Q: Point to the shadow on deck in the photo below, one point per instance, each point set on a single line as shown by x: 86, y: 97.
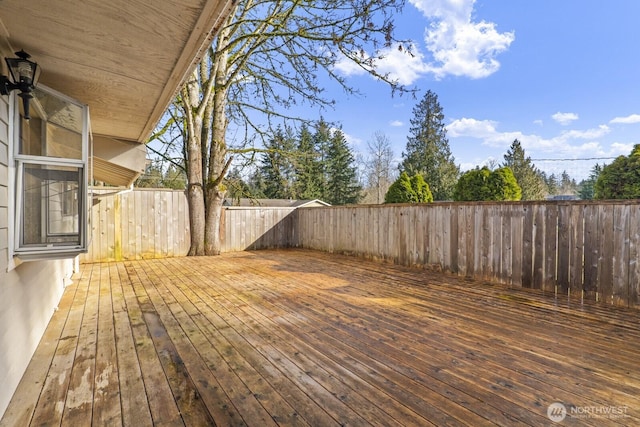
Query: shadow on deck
x: 306, y: 338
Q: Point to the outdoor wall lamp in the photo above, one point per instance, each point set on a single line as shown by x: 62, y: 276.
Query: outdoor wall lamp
x: 24, y: 76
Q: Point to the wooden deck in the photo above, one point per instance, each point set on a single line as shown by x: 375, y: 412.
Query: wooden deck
x: 305, y: 338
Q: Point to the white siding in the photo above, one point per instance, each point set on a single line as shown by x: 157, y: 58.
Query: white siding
x: 28, y: 293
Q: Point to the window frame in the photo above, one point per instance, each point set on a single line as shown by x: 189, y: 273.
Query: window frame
x: 19, y: 161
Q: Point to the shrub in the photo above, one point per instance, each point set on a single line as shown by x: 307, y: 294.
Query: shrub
x: 409, y: 190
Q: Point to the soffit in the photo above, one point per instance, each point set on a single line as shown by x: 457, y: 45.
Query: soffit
x: 123, y: 58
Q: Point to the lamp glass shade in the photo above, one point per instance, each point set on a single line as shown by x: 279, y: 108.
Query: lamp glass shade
x: 23, y: 71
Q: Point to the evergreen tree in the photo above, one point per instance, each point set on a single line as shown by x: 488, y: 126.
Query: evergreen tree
x: 276, y: 167
x: 473, y: 185
x: 529, y: 178
x: 427, y: 151
x: 551, y: 181
x: 407, y: 189
x: 484, y: 184
x: 421, y: 189
x: 621, y: 178
x: 568, y: 185
x: 175, y: 178
x: 504, y: 186
x: 321, y: 142
x: 237, y: 188
x: 587, y: 186
x: 256, y: 186
x: 307, y: 168
x: 342, y: 183
x: 152, y: 176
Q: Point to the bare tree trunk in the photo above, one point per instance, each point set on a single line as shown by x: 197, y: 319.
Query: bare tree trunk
x: 195, y: 200
x: 195, y: 190
x: 213, y: 243
x: 218, y: 156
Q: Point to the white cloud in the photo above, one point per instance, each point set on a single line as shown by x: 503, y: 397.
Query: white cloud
x: 538, y: 122
x: 594, y: 133
x: 471, y: 127
x: 618, y: 148
x: 564, y: 118
x: 401, y: 65
x: 396, y: 123
x: 569, y: 143
x: 454, y: 9
x: 348, y: 67
x: 351, y: 140
x: 633, y: 118
x: 456, y: 46
x: 460, y: 46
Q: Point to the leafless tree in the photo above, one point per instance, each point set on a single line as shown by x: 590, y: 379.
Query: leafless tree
x: 266, y: 61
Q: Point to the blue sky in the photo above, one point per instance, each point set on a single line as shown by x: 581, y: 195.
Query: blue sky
x: 562, y: 76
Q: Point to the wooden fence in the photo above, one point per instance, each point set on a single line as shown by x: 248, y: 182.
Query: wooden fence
x: 143, y: 223
x: 249, y: 228
x: 583, y: 249
x: 154, y: 223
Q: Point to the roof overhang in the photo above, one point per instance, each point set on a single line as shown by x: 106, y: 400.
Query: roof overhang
x: 125, y: 59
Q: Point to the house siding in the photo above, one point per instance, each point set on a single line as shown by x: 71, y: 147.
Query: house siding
x: 29, y: 293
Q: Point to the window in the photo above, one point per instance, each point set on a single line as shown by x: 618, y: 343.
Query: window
x: 51, y: 158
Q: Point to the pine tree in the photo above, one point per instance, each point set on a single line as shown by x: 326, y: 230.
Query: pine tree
x: 256, y: 185
x: 529, y: 178
x: 342, y: 183
x: 587, y: 186
x: 237, y: 188
x: 568, y: 185
x: 551, y: 181
x: 307, y: 168
x: 427, y: 151
x: 321, y: 142
x: 276, y: 167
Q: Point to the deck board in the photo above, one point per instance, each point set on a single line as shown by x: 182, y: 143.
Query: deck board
x: 305, y: 338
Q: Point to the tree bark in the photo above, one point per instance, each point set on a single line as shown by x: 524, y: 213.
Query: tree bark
x: 218, y: 156
x: 195, y: 189
x: 195, y: 200
x: 213, y: 244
